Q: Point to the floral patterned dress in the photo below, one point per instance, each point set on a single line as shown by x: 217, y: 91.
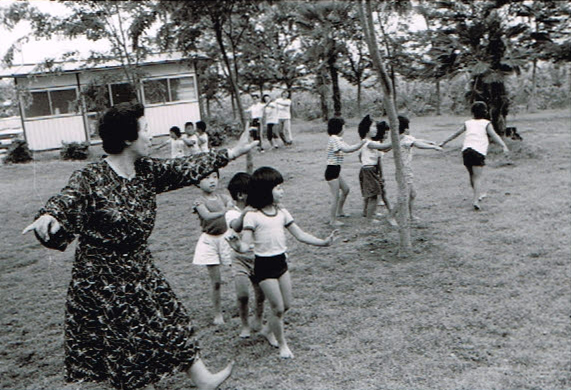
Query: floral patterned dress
x: 123, y: 322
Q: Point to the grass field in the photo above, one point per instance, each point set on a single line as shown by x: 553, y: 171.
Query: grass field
x: 482, y: 303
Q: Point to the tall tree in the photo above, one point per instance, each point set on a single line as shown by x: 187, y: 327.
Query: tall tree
x: 366, y: 16
x: 322, y: 25
x: 226, y: 21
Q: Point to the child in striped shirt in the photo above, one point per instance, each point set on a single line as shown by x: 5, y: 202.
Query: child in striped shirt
x: 336, y: 149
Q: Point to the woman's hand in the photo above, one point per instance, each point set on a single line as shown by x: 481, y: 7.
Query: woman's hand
x: 243, y: 146
x: 45, y: 227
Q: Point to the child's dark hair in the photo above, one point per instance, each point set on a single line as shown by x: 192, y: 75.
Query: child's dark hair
x: 335, y: 126
x: 263, y: 181
x: 382, y: 128
x: 175, y: 130
x: 480, y: 110
x: 403, y: 123
x: 239, y: 184
x: 364, y: 126
x: 188, y: 124
x: 201, y: 125
x: 210, y: 173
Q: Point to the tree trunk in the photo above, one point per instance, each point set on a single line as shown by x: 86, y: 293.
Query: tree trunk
x: 532, y: 103
x: 365, y: 14
x: 359, y: 87
x: 235, y: 90
x: 335, y: 86
x: 438, y: 99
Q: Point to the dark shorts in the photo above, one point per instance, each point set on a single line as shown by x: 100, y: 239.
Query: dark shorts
x: 332, y: 172
x: 473, y: 158
x: 271, y: 267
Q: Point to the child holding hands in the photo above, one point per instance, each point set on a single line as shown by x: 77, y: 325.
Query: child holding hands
x: 407, y: 142
x: 370, y: 175
x: 264, y: 231
x: 243, y: 263
x: 212, y: 249
x: 336, y: 149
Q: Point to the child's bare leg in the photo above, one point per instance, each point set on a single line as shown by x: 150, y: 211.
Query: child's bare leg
x: 259, y: 298
x: 334, y: 188
x: 242, y: 284
x: 344, y: 193
x: 204, y: 379
x: 216, y: 283
x: 475, y: 181
x: 371, y: 206
x: 412, y: 197
x: 272, y: 290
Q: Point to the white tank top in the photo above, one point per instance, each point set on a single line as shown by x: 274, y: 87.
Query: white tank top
x: 476, y: 135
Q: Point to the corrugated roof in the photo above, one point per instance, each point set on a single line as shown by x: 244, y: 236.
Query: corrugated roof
x: 78, y: 66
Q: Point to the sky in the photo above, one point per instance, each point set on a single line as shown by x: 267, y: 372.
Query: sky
x: 36, y: 51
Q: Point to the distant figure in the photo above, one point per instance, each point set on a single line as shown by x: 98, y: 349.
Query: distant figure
x: 284, y: 116
x: 212, y: 250
x: 190, y: 139
x: 407, y: 142
x: 256, y: 111
x: 475, y: 147
x: 264, y: 231
x: 176, y: 143
x: 336, y: 149
x: 370, y: 175
x: 202, y: 136
x: 271, y: 119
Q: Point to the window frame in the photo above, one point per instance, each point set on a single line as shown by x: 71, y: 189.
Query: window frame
x: 168, y: 78
x: 50, y: 103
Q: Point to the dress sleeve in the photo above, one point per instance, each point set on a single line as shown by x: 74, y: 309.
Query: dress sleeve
x: 67, y: 208
x: 173, y: 173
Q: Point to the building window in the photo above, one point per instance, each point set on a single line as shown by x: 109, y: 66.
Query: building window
x: 172, y: 89
x: 122, y: 93
x: 51, y: 102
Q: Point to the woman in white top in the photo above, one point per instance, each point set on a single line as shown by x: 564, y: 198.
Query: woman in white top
x: 284, y: 116
x: 475, y: 147
x: 271, y: 119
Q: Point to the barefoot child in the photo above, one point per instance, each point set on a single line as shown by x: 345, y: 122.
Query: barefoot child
x: 264, y: 231
x: 243, y: 263
x: 212, y: 249
x: 407, y: 142
x: 370, y: 175
x: 475, y: 147
x: 335, y: 151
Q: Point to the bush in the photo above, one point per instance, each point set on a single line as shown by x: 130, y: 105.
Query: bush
x: 74, y: 151
x: 219, y: 130
x: 18, y: 152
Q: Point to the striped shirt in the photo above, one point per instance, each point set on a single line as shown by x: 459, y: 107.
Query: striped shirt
x: 334, y: 153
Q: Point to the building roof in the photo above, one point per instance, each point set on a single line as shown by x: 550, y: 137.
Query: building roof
x: 25, y: 70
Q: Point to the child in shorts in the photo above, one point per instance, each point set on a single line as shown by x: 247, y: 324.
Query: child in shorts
x: 212, y: 250
x: 370, y: 175
x: 243, y: 263
x: 264, y: 232
x: 336, y: 149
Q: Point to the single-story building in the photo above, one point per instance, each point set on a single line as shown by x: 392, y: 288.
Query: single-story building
x: 59, y: 105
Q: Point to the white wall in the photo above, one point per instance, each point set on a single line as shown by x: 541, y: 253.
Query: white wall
x: 43, y: 134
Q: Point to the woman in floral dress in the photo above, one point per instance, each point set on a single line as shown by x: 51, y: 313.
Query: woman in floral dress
x: 123, y: 324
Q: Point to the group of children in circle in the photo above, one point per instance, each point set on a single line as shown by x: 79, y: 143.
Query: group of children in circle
x: 193, y: 141
x: 246, y: 229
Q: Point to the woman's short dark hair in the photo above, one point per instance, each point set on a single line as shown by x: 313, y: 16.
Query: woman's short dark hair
x: 480, y: 110
x: 382, y: 128
x: 404, y: 123
x: 119, y: 124
x: 263, y: 181
x: 335, y: 126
